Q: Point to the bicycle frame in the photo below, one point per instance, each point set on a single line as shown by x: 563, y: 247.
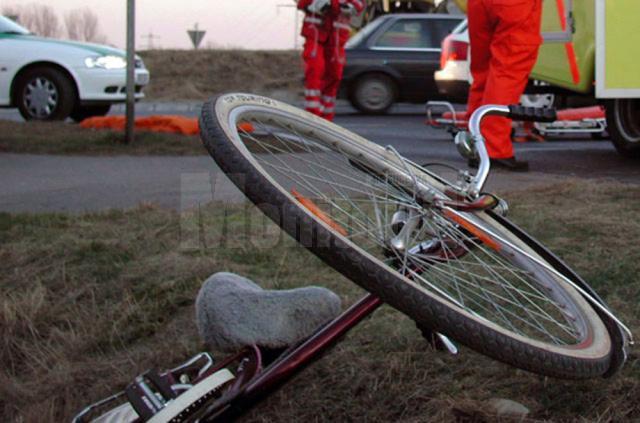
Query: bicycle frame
x: 292, y: 361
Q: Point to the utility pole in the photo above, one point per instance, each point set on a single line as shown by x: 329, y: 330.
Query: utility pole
x: 150, y: 37
x: 131, y: 75
x: 295, y: 22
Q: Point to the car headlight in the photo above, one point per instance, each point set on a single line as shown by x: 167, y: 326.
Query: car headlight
x: 106, y: 62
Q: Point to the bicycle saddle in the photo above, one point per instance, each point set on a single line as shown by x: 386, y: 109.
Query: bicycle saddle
x: 233, y: 312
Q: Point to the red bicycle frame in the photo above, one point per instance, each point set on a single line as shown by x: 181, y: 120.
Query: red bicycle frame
x: 244, y: 395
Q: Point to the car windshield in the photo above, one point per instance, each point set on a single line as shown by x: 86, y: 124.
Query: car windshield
x: 7, y: 26
x: 416, y: 33
x: 363, y: 33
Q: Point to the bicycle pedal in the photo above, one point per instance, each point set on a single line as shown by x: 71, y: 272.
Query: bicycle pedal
x: 154, y: 395
x: 447, y: 344
x: 148, y: 395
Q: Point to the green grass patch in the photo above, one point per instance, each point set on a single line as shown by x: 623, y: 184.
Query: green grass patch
x: 68, y: 138
x: 90, y: 301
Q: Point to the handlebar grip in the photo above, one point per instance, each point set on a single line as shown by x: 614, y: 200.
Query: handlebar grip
x: 532, y: 114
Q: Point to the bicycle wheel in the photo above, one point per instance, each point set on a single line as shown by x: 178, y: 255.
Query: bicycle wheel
x: 370, y: 215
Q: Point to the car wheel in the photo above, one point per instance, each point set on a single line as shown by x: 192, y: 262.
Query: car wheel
x: 374, y: 94
x: 84, y: 112
x: 45, y: 94
x: 623, y: 125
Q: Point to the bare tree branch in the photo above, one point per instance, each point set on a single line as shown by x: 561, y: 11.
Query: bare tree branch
x: 82, y: 24
x: 38, y: 18
x: 42, y: 20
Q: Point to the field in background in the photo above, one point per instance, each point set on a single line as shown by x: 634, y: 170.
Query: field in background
x: 91, y: 301
x: 197, y: 75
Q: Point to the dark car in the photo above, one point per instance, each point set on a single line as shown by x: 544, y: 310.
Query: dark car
x: 393, y: 59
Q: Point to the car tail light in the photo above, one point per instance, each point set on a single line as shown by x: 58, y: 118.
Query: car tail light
x: 453, y: 50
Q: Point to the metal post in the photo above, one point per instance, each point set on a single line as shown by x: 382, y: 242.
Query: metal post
x: 131, y: 66
x: 295, y: 28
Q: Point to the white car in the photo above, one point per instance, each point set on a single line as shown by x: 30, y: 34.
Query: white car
x: 49, y: 79
x: 454, y: 75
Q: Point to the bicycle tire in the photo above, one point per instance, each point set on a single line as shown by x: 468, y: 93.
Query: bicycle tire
x: 218, y: 126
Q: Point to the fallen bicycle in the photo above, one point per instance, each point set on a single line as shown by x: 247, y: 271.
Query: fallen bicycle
x: 440, y: 251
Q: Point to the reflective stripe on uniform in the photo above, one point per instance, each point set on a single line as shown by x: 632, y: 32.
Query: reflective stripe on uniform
x: 328, y: 103
x: 312, y: 105
x: 310, y: 19
x: 312, y: 93
x: 342, y: 26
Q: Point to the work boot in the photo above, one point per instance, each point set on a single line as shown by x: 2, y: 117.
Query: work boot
x: 509, y: 163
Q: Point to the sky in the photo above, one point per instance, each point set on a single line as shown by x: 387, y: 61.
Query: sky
x: 249, y: 24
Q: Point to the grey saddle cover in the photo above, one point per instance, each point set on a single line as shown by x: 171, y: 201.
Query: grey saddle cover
x: 233, y: 312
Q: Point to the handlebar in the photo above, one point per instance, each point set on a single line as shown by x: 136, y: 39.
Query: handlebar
x: 515, y: 112
x: 532, y: 114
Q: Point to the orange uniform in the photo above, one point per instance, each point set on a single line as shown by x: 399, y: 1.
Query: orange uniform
x: 505, y: 38
x: 339, y: 27
x: 325, y: 36
x: 314, y: 31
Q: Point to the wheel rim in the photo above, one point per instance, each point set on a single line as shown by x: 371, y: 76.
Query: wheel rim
x: 515, y: 294
x: 375, y: 95
x: 41, y: 97
x: 628, y: 119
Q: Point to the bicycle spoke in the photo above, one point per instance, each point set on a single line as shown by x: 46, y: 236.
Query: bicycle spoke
x: 459, y: 267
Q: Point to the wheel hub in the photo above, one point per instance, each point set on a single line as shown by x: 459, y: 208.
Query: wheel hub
x: 376, y: 95
x: 41, y: 97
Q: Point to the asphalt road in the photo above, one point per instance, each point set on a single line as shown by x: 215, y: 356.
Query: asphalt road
x: 75, y: 184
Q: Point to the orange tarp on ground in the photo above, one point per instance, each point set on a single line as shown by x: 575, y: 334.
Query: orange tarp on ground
x: 164, y: 123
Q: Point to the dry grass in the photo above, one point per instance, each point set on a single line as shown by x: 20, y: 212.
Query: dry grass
x: 90, y: 301
x: 197, y: 75
x: 67, y: 138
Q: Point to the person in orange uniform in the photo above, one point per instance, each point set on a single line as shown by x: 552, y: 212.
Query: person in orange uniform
x: 505, y: 38
x: 339, y: 27
x: 326, y: 29
x: 315, y: 32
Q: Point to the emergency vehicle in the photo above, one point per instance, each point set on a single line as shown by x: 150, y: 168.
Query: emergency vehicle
x: 586, y: 51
